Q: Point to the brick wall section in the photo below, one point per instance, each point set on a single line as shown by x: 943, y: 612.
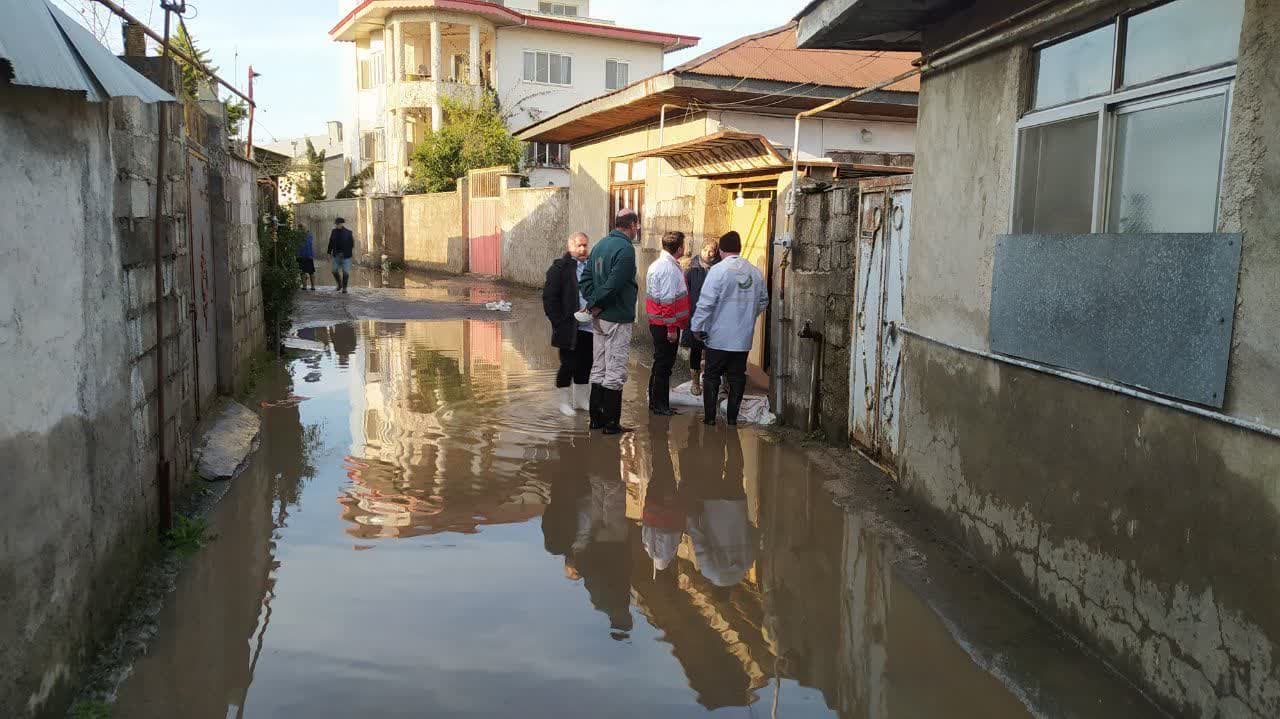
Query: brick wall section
x: 433, y: 232
x: 533, y: 232
x: 820, y: 290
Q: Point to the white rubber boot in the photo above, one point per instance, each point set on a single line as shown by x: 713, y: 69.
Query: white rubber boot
x: 566, y: 400
x: 582, y: 397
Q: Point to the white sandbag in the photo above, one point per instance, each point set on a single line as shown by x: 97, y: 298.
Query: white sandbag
x: 754, y: 409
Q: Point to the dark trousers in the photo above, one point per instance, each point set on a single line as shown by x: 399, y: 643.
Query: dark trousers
x: 664, y: 360
x: 695, y: 359
x: 575, y: 364
x: 732, y: 368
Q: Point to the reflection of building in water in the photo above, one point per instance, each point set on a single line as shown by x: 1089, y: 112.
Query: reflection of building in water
x: 419, y: 464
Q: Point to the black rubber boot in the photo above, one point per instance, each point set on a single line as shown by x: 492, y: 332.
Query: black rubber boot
x: 613, y: 412
x: 337, y: 282
x: 660, y: 397
x: 736, y: 391
x: 346, y: 280
x: 596, y: 407
x: 710, y: 400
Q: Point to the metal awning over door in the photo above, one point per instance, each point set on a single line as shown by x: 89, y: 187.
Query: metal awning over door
x: 732, y: 156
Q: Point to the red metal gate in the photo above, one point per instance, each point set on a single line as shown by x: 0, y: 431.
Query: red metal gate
x: 484, y: 236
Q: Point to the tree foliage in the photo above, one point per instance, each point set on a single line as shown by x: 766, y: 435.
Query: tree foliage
x: 312, y: 186
x: 193, y: 78
x: 473, y: 136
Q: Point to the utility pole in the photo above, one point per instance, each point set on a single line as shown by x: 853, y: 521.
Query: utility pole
x: 248, y: 145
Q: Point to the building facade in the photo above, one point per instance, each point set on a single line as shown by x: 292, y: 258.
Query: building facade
x: 406, y: 58
x: 334, y: 171
x: 1090, y: 339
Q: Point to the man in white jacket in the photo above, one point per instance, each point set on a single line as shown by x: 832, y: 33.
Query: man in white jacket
x: 733, y: 296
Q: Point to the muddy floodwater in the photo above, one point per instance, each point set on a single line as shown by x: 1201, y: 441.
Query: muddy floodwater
x: 424, y: 535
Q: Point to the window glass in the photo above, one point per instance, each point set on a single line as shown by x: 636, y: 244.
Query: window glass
x: 544, y: 71
x: 567, y: 73
x: 615, y: 74
x: 1181, y: 36
x: 530, y: 67
x: 1168, y: 162
x: 621, y: 171
x: 1076, y: 68
x: 638, y: 170
x: 1055, y: 178
x: 557, y: 70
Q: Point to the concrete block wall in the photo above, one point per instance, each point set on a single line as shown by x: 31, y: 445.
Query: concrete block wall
x: 237, y: 272
x: 533, y: 232
x: 77, y: 330
x: 820, y: 290
x: 135, y: 143
x: 433, y: 232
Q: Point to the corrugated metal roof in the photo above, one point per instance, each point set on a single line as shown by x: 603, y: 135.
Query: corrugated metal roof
x: 40, y: 46
x: 773, y: 55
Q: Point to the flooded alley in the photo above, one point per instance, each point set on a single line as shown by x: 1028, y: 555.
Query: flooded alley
x: 422, y: 534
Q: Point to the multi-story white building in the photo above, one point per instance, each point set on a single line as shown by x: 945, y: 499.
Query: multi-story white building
x: 538, y: 57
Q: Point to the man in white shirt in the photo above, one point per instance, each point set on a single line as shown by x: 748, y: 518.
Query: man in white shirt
x: 732, y: 298
x: 667, y: 304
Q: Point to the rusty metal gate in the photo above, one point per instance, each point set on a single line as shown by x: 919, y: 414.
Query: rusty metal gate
x: 199, y: 230
x: 484, y: 228
x: 875, y: 382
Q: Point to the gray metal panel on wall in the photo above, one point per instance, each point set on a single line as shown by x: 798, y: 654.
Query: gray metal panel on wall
x: 1154, y: 311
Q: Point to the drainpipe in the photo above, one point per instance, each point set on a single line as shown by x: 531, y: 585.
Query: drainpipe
x: 807, y: 333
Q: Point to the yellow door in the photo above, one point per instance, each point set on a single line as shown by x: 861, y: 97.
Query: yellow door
x: 751, y: 221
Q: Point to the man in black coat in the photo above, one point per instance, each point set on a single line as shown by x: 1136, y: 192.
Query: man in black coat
x: 561, y: 300
x: 342, y: 246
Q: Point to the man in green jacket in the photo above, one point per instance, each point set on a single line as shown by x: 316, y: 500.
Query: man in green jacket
x: 609, y: 286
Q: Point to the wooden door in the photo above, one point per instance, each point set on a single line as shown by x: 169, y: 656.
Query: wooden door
x: 484, y: 236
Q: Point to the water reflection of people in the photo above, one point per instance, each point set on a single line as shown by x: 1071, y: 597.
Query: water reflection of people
x: 663, y: 521
x: 586, y: 522
x: 724, y: 541
x: 343, y: 337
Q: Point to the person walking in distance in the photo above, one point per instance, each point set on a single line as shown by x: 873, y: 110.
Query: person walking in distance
x: 307, y: 259
x: 667, y: 304
x: 694, y: 276
x: 732, y: 298
x: 341, y: 246
x: 609, y: 286
x: 561, y: 300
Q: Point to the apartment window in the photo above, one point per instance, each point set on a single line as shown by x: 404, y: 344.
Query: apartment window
x: 1127, y: 130
x: 558, y: 8
x: 459, y: 68
x: 616, y: 74
x: 548, y: 68
x: 546, y: 154
x: 372, y: 71
x: 372, y: 147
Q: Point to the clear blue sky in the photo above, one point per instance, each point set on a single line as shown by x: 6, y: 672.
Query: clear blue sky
x: 287, y: 41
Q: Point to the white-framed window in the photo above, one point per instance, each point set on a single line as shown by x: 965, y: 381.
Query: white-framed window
x: 548, y: 68
x: 558, y: 8
x: 1128, y: 123
x: 372, y: 71
x: 546, y: 154
x: 617, y: 74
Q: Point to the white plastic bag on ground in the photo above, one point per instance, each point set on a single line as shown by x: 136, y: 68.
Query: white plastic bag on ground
x: 499, y: 306
x: 754, y: 409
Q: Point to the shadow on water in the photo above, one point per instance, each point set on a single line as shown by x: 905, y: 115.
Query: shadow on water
x: 426, y: 535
